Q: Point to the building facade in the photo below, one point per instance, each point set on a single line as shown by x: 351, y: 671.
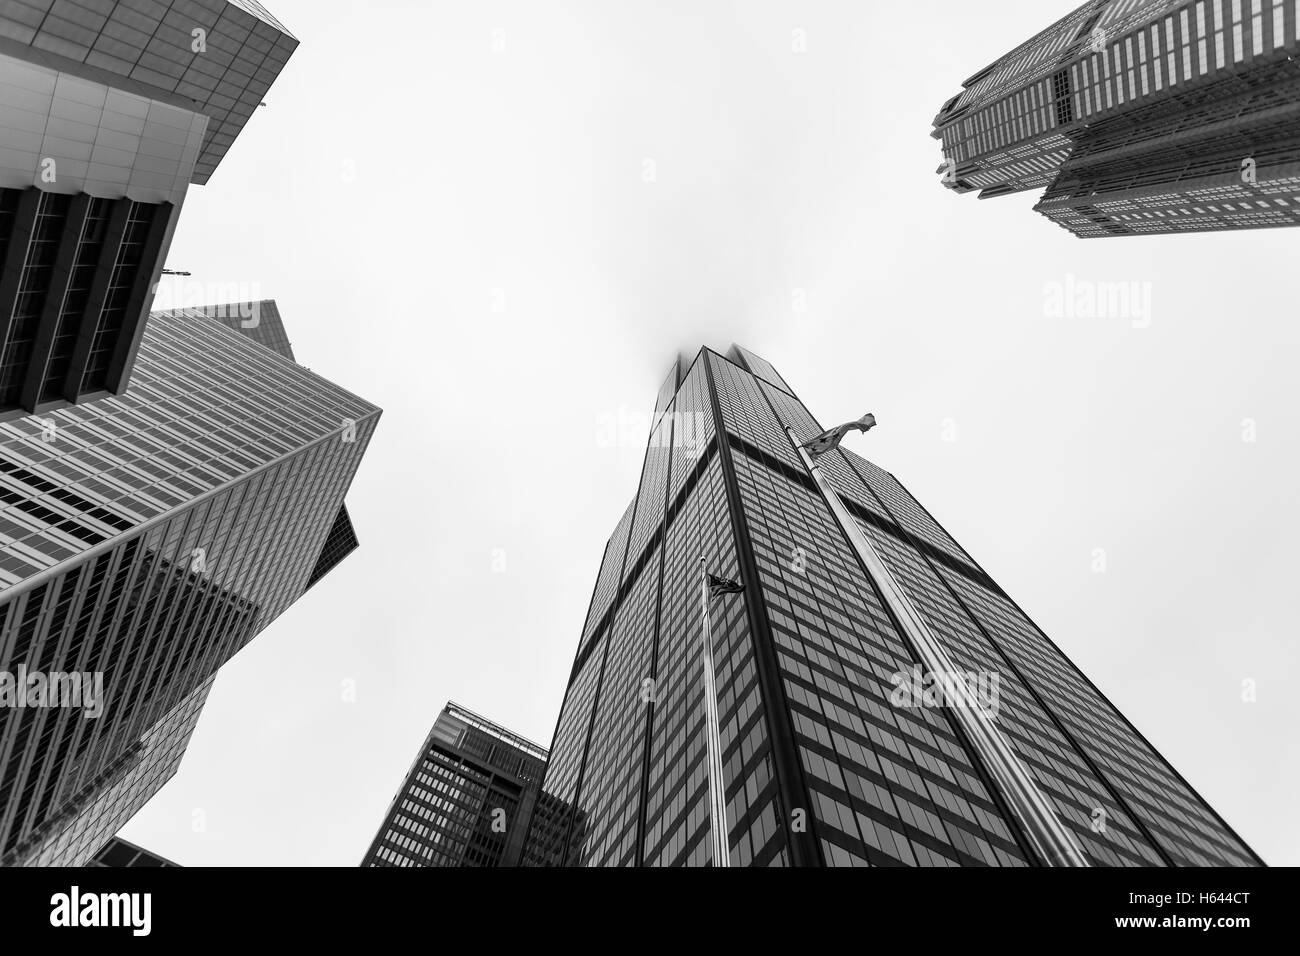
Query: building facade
x: 214, y: 58
x: 829, y: 758
x: 147, y: 538
x: 108, y: 112
x: 1140, y: 117
x: 466, y: 800
x: 88, y: 821
x: 261, y: 321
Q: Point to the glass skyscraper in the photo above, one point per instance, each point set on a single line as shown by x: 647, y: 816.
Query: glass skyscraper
x: 108, y: 112
x: 467, y: 799
x: 148, y: 537
x: 1140, y: 117
x: 824, y: 762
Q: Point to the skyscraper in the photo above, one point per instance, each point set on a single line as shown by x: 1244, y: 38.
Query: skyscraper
x: 834, y: 750
x: 108, y: 111
x: 1140, y: 117
x: 147, y: 538
x: 466, y: 800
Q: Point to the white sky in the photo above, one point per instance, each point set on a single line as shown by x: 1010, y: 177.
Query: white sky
x: 498, y: 276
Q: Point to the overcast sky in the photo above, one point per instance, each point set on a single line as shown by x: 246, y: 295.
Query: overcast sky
x: 450, y: 203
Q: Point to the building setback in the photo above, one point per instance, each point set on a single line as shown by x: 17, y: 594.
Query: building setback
x: 824, y: 762
x: 466, y: 800
x: 1140, y: 117
x: 148, y: 537
x: 108, y: 112
x: 120, y: 853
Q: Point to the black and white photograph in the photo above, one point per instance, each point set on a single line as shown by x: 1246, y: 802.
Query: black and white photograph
x: 567, y: 434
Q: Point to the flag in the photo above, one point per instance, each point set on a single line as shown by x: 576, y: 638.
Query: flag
x: 720, y: 586
x: 830, y: 440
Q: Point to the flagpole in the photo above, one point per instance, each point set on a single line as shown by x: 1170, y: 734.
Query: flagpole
x: 1056, y: 844
x: 713, y: 733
